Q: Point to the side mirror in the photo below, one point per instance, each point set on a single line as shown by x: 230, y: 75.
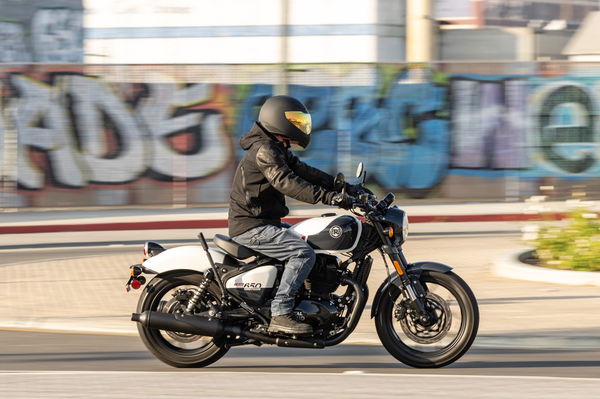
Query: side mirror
x: 360, y: 169
x: 360, y: 172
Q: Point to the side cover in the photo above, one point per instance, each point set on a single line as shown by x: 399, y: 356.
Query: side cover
x: 188, y: 257
x: 254, y: 286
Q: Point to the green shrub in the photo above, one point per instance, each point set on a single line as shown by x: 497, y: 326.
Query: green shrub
x: 575, y: 246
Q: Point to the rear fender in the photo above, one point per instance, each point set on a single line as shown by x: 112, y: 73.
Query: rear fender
x: 187, y: 257
x: 414, y: 270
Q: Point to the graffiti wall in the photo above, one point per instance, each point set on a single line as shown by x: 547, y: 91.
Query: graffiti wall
x: 143, y: 135
x: 41, y: 31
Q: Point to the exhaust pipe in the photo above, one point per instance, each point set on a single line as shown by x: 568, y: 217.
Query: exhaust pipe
x: 199, y: 325
x: 177, y: 322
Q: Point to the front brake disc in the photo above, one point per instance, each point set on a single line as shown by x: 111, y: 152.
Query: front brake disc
x: 427, y: 334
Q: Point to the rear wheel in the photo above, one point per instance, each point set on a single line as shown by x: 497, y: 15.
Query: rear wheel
x: 440, y: 341
x: 171, y: 293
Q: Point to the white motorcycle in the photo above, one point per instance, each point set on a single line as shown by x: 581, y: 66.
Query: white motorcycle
x: 201, y: 301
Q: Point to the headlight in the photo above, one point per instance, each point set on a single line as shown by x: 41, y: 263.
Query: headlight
x: 398, y: 220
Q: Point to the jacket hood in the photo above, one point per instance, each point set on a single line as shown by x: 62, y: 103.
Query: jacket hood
x: 255, y: 135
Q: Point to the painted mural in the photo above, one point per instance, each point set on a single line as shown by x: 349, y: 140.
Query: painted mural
x: 72, y: 137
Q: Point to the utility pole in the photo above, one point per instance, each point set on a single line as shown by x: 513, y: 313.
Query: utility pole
x: 420, y: 40
x: 282, y: 84
x: 8, y: 158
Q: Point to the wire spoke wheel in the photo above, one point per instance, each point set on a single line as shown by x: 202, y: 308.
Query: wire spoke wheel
x: 171, y: 294
x: 439, y: 339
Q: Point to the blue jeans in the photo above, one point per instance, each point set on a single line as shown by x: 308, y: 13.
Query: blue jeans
x: 282, y: 244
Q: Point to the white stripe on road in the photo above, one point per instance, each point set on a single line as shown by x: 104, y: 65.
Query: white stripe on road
x: 227, y: 385
x: 344, y: 373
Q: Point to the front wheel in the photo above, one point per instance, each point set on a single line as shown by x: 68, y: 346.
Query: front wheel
x: 440, y: 341
x: 170, y: 293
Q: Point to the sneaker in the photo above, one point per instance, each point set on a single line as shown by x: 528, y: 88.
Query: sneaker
x: 286, y: 324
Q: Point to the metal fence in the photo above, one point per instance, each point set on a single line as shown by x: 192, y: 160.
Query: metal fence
x: 115, y: 135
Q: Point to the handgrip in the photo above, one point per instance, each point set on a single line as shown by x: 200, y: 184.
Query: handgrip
x: 339, y: 183
x: 203, y: 241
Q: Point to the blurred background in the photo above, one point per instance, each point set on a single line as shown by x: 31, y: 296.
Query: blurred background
x: 142, y: 102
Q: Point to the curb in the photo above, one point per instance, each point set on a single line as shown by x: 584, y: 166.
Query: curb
x: 509, y: 266
x: 222, y: 223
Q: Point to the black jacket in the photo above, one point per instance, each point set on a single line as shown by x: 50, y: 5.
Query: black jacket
x: 265, y: 175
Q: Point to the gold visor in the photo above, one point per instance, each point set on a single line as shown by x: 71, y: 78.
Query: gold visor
x: 300, y: 119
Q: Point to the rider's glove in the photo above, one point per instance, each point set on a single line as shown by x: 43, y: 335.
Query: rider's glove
x: 356, y: 189
x: 342, y: 200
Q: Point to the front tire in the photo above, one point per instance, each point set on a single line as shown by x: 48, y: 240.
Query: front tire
x: 429, y: 346
x: 170, y: 293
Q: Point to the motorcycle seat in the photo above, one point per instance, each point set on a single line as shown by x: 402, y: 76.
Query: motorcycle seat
x: 233, y: 248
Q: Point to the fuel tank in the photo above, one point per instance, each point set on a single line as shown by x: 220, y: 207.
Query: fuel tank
x: 330, y: 233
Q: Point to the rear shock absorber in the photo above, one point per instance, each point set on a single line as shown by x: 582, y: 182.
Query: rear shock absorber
x: 199, y: 292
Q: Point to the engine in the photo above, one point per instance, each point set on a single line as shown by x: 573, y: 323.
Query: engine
x: 324, y: 278
x: 319, y: 308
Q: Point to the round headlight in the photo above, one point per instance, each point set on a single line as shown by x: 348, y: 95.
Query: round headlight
x: 405, y: 227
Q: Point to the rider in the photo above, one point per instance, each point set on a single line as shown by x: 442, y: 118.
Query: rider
x: 267, y: 173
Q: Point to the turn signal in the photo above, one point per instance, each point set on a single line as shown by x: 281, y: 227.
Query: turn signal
x: 398, y: 267
x: 390, y: 232
x: 136, y: 270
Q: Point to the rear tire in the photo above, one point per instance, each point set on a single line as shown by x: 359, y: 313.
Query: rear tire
x: 430, y: 346
x: 178, y: 349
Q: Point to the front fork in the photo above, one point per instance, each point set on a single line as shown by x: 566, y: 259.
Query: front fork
x: 412, y: 290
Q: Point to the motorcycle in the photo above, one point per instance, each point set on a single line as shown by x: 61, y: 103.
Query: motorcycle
x: 202, y: 301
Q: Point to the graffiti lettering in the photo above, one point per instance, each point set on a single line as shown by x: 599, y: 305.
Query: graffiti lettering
x: 489, y: 124
x: 43, y: 125
x: 12, y: 43
x: 81, y: 132
x: 206, y: 148
x: 41, y: 31
x: 567, y: 129
x: 104, y: 121
x: 109, y: 142
x: 57, y: 35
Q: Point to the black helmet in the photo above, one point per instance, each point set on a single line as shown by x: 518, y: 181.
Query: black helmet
x: 288, y: 117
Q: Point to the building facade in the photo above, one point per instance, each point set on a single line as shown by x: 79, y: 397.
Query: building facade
x: 243, y: 31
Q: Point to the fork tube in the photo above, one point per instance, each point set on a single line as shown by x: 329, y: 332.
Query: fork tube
x: 400, y: 264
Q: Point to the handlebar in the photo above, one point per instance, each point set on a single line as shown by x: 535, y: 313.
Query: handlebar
x: 368, y: 202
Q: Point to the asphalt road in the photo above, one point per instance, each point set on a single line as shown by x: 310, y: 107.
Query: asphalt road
x: 36, y: 351
x: 51, y: 365
x: 100, y: 366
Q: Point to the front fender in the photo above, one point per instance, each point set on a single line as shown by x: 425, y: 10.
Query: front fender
x: 413, y: 270
x: 187, y: 257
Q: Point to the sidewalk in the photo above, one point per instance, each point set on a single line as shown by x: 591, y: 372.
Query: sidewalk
x: 202, y: 218
x: 87, y: 294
